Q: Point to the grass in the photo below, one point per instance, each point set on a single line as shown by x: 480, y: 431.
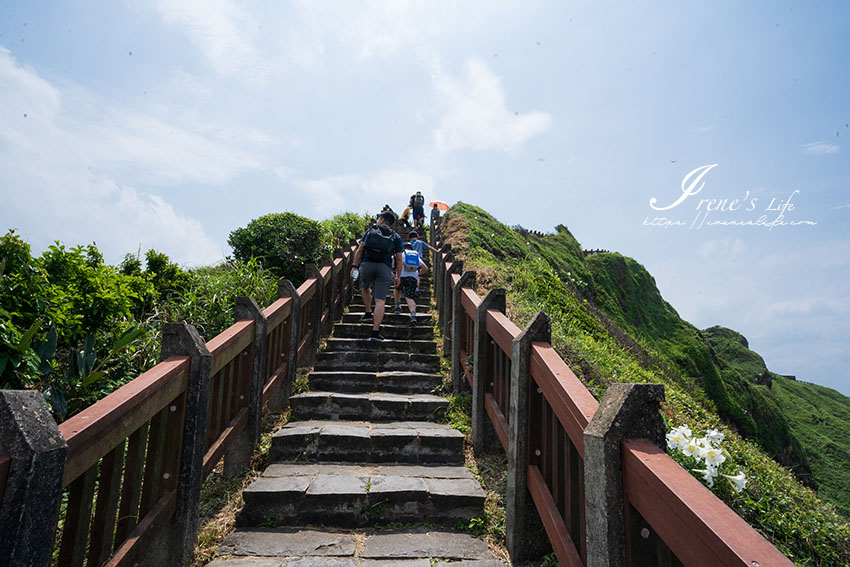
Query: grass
x: 221, y: 498
x: 610, y: 325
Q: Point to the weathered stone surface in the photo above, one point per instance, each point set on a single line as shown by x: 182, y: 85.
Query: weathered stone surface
x: 396, y: 563
x: 321, y: 562
x: 445, y: 544
x: 481, y: 563
x: 337, y: 486
x: 398, y: 487
x: 247, y: 562
x: 287, y: 542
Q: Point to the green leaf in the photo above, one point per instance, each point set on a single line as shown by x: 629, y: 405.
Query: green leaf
x: 93, y: 377
x: 126, y: 338
x: 24, y: 344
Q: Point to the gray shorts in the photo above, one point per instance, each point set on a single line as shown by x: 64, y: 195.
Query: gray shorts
x: 378, y: 276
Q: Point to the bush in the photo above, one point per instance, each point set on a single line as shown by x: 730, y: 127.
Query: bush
x: 282, y: 242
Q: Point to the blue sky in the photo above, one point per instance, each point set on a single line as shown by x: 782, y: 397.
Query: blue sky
x: 168, y: 124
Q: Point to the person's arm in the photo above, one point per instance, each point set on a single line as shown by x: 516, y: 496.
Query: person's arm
x: 423, y: 268
x: 398, y: 263
x: 358, y: 256
x: 431, y: 248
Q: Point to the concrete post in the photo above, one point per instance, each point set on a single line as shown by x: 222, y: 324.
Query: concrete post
x: 467, y: 279
x: 626, y: 411
x: 343, y: 267
x: 483, y: 435
x: 435, y: 222
x: 280, y: 398
x: 29, y: 510
x: 523, y: 527
x: 181, y: 339
x: 238, y: 456
x: 439, y: 275
x: 447, y: 309
x: 312, y: 271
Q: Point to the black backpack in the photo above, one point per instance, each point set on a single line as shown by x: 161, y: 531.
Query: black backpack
x: 418, y: 200
x: 379, y: 245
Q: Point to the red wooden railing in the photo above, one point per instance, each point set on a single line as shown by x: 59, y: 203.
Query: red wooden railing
x: 689, y: 525
x: 128, y: 444
x: 123, y: 460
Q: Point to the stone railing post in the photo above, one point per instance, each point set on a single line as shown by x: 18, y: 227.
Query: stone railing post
x: 467, y: 279
x: 173, y: 545
x: 439, y: 274
x: 435, y: 223
x: 626, y: 411
x: 483, y: 435
x: 312, y: 271
x: 447, y: 309
x: 238, y: 456
x: 523, y: 527
x: 29, y: 510
x: 336, y: 312
x: 280, y: 399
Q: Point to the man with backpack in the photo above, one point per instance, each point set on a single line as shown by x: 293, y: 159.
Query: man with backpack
x: 417, y: 201
x: 374, y: 260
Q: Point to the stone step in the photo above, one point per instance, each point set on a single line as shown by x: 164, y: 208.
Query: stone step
x: 377, y: 361
x: 396, y: 382
x: 348, y: 495
x: 316, y: 547
x: 392, y: 345
x: 372, y: 406
x: 389, y: 318
x: 422, y: 305
x: 362, y: 330
x: 393, y: 442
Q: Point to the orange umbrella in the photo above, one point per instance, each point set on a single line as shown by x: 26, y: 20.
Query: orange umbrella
x: 439, y: 204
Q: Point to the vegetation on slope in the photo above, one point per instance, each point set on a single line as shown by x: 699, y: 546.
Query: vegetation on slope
x: 76, y: 328
x: 611, y: 325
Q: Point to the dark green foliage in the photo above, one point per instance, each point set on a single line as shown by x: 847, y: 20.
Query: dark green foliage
x: 611, y: 324
x: 282, y: 242
x: 340, y: 229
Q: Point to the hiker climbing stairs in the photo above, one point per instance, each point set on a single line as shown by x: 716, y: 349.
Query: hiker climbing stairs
x: 366, y: 450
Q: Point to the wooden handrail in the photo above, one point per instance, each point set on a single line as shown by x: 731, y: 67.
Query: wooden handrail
x: 96, y: 430
x: 553, y: 523
x: 469, y: 300
x: 572, y: 403
x: 277, y: 312
x: 694, y: 523
x: 502, y: 330
x: 229, y: 343
x: 307, y: 290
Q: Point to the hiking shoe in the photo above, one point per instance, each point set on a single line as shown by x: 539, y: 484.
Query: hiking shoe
x: 366, y: 317
x: 376, y: 336
x: 397, y: 308
x: 412, y: 322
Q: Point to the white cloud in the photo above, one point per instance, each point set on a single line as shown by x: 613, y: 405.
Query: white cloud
x: 219, y: 29
x: 65, y: 175
x: 476, y: 116
x: 338, y: 193
x: 821, y: 148
x: 704, y: 129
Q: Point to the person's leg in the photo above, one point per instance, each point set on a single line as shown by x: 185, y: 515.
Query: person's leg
x: 397, y: 296
x: 367, y: 299
x: 383, y: 281
x: 379, y: 314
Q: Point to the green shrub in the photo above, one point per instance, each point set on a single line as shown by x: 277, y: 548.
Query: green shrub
x: 282, y: 242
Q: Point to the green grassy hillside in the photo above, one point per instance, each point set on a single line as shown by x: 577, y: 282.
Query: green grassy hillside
x: 611, y: 324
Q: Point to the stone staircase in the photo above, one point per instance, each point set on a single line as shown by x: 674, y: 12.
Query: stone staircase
x: 366, y: 451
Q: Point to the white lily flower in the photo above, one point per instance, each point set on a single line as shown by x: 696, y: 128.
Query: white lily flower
x: 739, y: 481
x: 692, y: 449
x: 714, y: 436
x: 713, y: 456
x: 677, y: 439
